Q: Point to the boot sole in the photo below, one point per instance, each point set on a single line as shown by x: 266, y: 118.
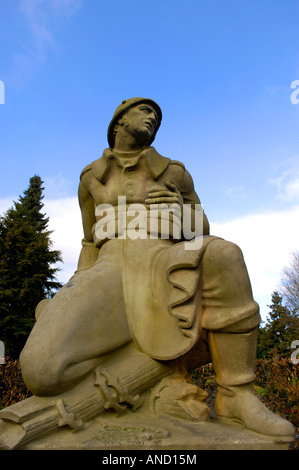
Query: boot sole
x: 237, y: 422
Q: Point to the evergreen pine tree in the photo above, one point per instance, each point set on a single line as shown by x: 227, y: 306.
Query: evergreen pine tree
x: 26, y: 272
x: 280, y: 330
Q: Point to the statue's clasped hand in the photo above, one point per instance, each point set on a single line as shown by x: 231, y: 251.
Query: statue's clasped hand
x: 173, y: 196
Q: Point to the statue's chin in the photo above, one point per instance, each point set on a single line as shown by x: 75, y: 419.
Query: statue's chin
x: 143, y: 136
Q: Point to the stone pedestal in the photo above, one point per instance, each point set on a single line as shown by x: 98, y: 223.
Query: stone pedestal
x: 138, y: 431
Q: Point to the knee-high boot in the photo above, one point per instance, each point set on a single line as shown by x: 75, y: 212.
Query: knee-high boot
x: 233, y: 356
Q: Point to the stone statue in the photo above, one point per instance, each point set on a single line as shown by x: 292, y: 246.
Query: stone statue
x: 149, y: 302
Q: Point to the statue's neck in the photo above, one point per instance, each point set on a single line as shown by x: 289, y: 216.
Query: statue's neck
x: 127, y: 153
x: 126, y: 142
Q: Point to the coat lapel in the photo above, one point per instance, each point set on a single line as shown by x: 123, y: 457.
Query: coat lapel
x: 155, y: 162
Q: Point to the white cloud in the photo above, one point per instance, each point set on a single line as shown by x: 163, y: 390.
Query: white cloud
x: 37, y: 9
x: 38, y: 15
x: 236, y: 192
x: 291, y: 191
x: 65, y: 221
x: 287, y: 185
x: 35, y: 14
x: 64, y: 7
x: 5, y: 204
x: 267, y: 241
x: 57, y: 187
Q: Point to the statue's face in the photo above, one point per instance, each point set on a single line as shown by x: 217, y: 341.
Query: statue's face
x: 141, y: 121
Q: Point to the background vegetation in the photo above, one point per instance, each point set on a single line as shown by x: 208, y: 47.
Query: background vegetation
x: 26, y: 272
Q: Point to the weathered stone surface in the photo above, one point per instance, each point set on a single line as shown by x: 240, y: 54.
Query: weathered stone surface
x: 155, y: 295
x: 140, y: 432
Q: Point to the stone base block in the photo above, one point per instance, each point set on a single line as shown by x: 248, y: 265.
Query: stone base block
x: 134, y: 431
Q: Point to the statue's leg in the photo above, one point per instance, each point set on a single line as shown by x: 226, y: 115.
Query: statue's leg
x: 226, y: 289
x: 233, y: 356
x: 85, y: 320
x: 231, y: 317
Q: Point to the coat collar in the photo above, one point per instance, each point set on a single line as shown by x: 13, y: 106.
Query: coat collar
x: 156, y: 163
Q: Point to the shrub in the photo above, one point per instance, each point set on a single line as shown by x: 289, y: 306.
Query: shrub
x: 277, y: 383
x: 12, y: 387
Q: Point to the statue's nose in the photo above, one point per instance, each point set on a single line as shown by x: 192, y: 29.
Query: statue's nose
x: 152, y: 117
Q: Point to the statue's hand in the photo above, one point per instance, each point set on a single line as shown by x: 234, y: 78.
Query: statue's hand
x: 169, y: 197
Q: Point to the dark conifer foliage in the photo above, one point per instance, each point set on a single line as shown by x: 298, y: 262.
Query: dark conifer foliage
x: 27, y: 272
x: 280, y: 330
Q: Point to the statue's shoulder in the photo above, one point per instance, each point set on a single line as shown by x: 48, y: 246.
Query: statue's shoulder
x: 160, y: 164
x: 176, y: 172
x: 177, y: 163
x: 85, y: 170
x: 176, y: 169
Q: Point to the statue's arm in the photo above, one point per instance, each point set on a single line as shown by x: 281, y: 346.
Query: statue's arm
x: 89, y: 252
x: 190, y: 197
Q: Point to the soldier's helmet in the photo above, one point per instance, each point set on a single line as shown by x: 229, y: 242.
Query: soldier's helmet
x: 124, y: 106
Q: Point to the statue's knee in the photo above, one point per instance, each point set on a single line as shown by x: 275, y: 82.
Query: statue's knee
x: 224, y: 253
x: 41, y: 375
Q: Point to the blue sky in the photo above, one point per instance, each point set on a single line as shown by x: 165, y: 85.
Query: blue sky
x: 221, y: 71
